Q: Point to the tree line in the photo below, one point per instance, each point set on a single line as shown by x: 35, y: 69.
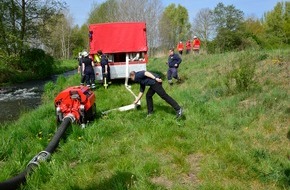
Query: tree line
x: 35, y: 25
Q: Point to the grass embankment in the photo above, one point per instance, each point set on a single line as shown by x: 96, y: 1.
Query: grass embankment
x: 234, y: 135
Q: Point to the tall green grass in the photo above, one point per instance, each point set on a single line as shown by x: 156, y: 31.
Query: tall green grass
x: 232, y: 136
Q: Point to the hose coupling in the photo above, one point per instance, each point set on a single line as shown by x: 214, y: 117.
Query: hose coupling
x: 40, y: 157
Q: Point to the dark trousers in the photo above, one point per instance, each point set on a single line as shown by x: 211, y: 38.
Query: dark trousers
x: 83, y: 78
x: 172, y: 72
x: 90, y: 78
x: 108, y: 75
x: 158, y: 88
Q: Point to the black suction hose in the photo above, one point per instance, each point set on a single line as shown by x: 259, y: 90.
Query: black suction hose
x: 60, y: 132
x: 16, y: 181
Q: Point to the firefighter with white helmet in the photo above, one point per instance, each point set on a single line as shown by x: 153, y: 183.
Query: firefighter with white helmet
x: 88, y: 70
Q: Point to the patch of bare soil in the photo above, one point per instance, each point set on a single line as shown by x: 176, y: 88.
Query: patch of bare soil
x: 191, y: 176
x: 248, y: 103
x: 188, y: 179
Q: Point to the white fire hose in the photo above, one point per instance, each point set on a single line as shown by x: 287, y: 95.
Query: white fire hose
x: 130, y: 106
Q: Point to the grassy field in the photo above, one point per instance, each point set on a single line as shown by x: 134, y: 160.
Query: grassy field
x: 233, y: 134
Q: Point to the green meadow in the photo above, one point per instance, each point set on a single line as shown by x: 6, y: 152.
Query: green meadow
x: 234, y: 134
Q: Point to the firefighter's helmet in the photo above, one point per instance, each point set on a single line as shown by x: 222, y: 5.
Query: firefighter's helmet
x: 85, y: 54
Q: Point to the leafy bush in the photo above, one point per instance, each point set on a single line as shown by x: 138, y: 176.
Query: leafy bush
x: 241, y: 77
x: 37, y: 61
x: 8, y: 67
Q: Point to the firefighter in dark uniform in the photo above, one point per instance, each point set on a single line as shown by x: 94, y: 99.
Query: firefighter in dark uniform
x: 88, y: 70
x: 105, y: 68
x: 145, y: 78
x: 173, y: 63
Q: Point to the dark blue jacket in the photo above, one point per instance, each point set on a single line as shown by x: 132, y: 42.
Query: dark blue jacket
x: 174, y: 59
x: 104, y: 61
x: 144, y: 81
x: 88, y: 65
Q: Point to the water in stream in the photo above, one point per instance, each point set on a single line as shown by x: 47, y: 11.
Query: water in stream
x: 22, y: 97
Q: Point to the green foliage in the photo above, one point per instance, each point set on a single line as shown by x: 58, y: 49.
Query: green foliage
x: 20, y: 22
x: 11, y: 70
x: 242, y: 76
x: 276, y: 23
x: 105, y: 12
x: 227, y: 17
x: 174, y: 25
x: 77, y: 41
x: 235, y: 33
x: 228, y: 21
x: 37, y: 61
x: 227, y: 40
x: 7, y: 67
x: 253, y: 34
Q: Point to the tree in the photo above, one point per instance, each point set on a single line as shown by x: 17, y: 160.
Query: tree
x: 203, y: 25
x: 228, y: 22
x: 227, y: 17
x: 20, y: 21
x: 167, y: 36
x: 277, y: 24
x: 61, y: 37
x: 254, y: 33
x: 174, y: 25
x: 105, y: 12
x: 78, y: 42
x: 9, y: 30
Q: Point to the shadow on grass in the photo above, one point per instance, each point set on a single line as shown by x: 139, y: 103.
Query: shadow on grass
x: 287, y: 177
x: 120, y: 181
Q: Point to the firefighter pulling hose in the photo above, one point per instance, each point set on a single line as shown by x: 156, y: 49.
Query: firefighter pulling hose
x: 130, y: 106
x: 73, y: 104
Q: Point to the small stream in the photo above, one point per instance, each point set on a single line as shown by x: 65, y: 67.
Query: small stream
x: 19, y: 98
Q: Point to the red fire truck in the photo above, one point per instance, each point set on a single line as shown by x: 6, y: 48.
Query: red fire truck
x: 125, y: 44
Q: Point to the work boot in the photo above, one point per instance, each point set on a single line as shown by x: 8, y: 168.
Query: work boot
x: 179, y: 113
x: 149, y: 114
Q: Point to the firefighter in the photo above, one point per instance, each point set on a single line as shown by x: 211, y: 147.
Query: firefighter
x: 97, y: 58
x: 105, y: 68
x: 146, y: 78
x: 180, y: 47
x: 88, y: 70
x: 188, y: 46
x: 173, y: 63
x: 195, y: 45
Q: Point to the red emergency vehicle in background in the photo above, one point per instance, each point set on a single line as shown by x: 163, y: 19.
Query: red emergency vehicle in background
x: 125, y: 44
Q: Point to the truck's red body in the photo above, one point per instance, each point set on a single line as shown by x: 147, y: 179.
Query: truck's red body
x: 124, y: 43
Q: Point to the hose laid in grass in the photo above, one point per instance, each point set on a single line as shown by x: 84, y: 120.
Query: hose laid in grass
x: 15, y: 182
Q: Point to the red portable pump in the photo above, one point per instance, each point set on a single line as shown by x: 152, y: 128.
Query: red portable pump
x: 73, y: 104
x: 77, y: 102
